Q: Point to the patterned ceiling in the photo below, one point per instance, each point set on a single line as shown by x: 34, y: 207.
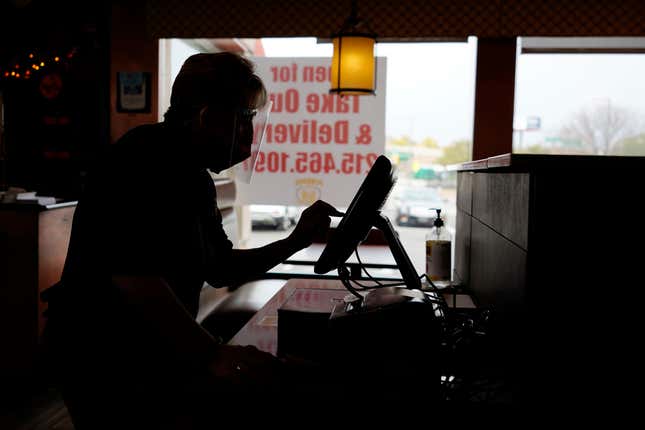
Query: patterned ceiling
x: 397, y: 19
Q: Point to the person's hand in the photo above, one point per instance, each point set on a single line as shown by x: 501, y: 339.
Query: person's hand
x: 314, y: 222
x: 246, y: 368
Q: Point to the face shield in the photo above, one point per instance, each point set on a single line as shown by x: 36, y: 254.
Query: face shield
x: 251, y: 125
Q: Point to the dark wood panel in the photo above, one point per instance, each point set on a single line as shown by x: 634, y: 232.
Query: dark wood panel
x: 465, y: 192
x: 54, y: 230
x: 18, y: 322
x: 501, y: 201
x: 498, y: 271
x: 462, y: 248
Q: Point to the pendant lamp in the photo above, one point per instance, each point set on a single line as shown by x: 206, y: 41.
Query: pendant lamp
x: 353, y: 66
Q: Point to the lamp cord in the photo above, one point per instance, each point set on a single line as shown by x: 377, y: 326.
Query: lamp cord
x: 354, y: 12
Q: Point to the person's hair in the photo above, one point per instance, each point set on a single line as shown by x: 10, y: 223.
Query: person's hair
x: 222, y: 79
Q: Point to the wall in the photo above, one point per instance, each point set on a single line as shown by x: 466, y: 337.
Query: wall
x: 131, y: 50
x: 55, y: 116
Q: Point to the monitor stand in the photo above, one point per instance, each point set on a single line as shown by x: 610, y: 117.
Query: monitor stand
x: 408, y: 273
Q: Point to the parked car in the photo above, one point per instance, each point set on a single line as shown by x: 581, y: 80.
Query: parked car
x: 273, y: 216
x: 416, y: 207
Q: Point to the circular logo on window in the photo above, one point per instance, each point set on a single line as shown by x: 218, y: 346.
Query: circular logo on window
x: 308, y: 190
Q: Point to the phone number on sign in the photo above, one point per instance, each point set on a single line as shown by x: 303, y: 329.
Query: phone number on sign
x: 313, y: 162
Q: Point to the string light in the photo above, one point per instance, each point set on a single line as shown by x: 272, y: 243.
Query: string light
x: 16, y: 71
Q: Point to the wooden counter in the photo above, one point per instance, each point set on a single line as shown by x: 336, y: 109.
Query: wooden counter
x: 548, y: 243
x: 528, y: 224
x: 33, y: 246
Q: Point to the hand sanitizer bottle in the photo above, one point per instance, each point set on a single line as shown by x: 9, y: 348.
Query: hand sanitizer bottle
x: 438, y: 252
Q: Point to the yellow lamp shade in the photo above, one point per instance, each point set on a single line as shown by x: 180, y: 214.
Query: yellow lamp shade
x: 352, y: 66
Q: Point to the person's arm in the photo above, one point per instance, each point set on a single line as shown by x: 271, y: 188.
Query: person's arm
x: 156, y: 308
x: 259, y: 260
x: 158, y: 311
x: 249, y: 263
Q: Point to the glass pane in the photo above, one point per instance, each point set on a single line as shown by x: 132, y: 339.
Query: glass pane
x: 429, y: 107
x: 580, y: 104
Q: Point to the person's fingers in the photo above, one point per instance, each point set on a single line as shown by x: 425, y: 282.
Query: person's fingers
x: 328, y: 209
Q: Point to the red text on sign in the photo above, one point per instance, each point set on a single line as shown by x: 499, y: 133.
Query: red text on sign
x: 331, y: 103
x: 308, y: 132
x: 285, y: 73
x: 313, y: 162
x: 316, y: 74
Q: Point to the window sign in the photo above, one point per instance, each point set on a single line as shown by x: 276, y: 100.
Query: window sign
x: 316, y: 145
x: 533, y: 123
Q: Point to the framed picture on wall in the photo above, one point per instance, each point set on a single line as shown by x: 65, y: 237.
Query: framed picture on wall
x: 133, y: 92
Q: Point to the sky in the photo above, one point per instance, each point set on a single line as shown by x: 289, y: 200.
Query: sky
x: 430, y: 86
x: 555, y: 87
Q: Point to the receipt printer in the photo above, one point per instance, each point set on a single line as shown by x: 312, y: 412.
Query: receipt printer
x: 391, y: 323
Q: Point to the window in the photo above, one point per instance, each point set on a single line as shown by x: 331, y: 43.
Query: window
x: 429, y: 107
x: 586, y: 98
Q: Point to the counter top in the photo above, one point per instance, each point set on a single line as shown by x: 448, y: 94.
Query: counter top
x: 531, y: 162
x: 34, y: 207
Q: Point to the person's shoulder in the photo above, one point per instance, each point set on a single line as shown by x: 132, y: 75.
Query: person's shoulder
x: 130, y: 152
x: 141, y: 135
x: 140, y: 144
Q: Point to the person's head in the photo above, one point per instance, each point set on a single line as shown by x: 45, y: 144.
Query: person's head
x: 215, y: 96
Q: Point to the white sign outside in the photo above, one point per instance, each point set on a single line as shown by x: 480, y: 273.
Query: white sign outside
x: 317, y: 145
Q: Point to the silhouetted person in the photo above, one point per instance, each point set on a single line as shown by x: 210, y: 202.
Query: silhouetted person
x: 124, y: 347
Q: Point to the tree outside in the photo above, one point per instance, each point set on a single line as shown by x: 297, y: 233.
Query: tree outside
x: 457, y: 152
x: 601, y: 127
x: 634, y: 146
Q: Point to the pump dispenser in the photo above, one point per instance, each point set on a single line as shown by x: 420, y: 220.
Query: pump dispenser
x: 438, y: 251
